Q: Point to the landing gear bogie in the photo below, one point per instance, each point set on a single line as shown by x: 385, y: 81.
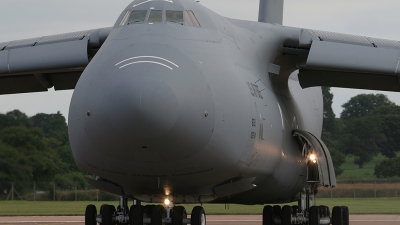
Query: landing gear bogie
x: 143, y: 215
x: 316, y: 215
x: 305, y: 213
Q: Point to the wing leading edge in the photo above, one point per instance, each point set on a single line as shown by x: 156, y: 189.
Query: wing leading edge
x: 342, y: 60
x: 37, y: 64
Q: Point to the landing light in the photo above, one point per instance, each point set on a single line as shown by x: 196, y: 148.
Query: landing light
x: 167, y: 202
x: 313, y: 158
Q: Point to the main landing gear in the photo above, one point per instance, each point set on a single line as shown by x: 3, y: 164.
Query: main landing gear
x: 305, y: 213
x: 140, y: 215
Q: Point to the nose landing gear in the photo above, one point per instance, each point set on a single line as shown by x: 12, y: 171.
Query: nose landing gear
x: 141, y: 215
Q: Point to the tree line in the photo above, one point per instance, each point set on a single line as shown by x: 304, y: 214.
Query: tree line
x: 37, y: 149
x: 368, y: 125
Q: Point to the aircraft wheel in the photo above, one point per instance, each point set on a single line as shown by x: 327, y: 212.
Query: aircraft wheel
x: 107, y: 214
x: 178, y: 214
x: 345, y: 215
x: 286, y: 215
x: 90, y: 215
x: 268, y: 215
x: 158, y: 215
x: 314, y: 215
x: 136, y: 215
x: 149, y: 210
x: 277, y: 211
x: 101, y: 209
x: 337, y: 216
x: 198, y: 216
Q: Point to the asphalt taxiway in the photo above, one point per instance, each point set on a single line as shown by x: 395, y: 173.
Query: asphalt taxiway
x: 211, y: 220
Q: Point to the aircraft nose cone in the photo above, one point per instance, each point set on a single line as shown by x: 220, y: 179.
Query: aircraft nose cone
x: 143, y: 107
x: 148, y: 103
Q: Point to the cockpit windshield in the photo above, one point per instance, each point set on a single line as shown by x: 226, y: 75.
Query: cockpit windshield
x: 151, y: 16
x: 137, y: 16
x: 155, y: 16
x: 174, y: 16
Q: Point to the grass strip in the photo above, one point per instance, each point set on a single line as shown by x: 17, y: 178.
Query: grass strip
x: 38, y: 208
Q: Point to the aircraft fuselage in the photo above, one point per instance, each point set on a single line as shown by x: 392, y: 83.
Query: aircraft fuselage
x: 168, y: 109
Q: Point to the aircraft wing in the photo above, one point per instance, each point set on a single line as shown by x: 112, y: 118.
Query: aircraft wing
x: 37, y: 64
x: 342, y: 60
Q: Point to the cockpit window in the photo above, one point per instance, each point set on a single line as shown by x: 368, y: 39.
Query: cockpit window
x: 137, y: 16
x: 155, y: 16
x: 188, y: 19
x: 192, y: 18
x: 123, y: 21
x: 174, y: 16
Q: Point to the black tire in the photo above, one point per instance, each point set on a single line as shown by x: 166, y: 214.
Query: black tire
x: 136, y: 215
x: 337, y: 216
x: 345, y: 215
x: 268, y: 215
x: 90, y: 215
x: 149, y: 210
x: 178, y: 214
x: 198, y: 216
x: 112, y: 208
x: 158, y: 215
x: 286, y: 215
x: 277, y: 212
x: 314, y: 215
x: 106, y: 216
x: 101, y: 209
x: 131, y: 214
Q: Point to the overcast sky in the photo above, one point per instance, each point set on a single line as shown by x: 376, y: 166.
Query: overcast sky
x: 20, y: 19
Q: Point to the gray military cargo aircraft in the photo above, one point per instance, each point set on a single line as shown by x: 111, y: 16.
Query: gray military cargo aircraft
x: 176, y: 104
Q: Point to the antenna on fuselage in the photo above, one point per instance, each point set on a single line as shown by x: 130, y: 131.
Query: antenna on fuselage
x: 271, y: 11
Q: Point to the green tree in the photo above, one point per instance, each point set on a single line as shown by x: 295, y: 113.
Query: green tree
x: 363, y: 134
x: 329, y: 115
x: 28, y: 149
x: 10, y: 167
x: 331, y: 131
x: 338, y: 159
x: 363, y: 105
x: 53, y: 125
x: 388, y: 117
x: 361, y: 139
x: 14, y: 118
x: 388, y: 168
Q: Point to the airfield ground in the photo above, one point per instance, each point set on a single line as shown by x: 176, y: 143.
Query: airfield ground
x: 211, y: 220
x: 58, y: 208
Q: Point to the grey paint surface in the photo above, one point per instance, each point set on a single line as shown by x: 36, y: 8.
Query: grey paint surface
x: 193, y: 113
